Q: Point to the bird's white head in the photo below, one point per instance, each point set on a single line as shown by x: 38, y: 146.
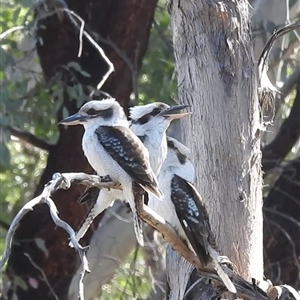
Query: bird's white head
x: 155, y: 116
x: 103, y: 112
x: 178, y: 161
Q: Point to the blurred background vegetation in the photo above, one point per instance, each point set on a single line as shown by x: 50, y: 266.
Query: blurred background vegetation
x: 30, y: 104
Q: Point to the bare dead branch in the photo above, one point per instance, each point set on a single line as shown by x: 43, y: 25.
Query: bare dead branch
x: 111, y: 68
x: 283, y: 292
x: 84, y: 33
x: 168, y: 43
x: 245, y: 289
x: 131, y: 65
x: 59, y: 181
x: 4, y: 34
x: 29, y: 138
x: 266, y: 89
x: 43, y: 274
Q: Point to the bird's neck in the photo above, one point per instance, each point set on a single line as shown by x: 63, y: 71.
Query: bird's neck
x: 94, y: 124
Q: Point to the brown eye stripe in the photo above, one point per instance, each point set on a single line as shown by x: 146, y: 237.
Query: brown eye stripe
x: 144, y: 119
x: 106, y: 113
x: 93, y: 111
x: 182, y: 158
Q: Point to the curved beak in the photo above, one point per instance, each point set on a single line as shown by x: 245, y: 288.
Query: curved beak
x: 73, y: 120
x: 174, y: 112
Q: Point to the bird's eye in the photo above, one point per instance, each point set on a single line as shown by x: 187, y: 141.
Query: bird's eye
x: 144, y: 119
x: 156, y: 111
x: 170, y: 144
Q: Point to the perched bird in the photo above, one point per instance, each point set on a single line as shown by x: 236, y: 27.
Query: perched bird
x: 112, y: 149
x: 149, y: 122
x: 183, y: 208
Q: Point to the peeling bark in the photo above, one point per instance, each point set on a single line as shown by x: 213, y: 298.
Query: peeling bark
x: 216, y: 76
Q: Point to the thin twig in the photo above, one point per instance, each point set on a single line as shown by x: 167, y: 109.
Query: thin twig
x: 132, y: 66
x: 4, y: 225
x: 59, y: 181
x: 245, y: 289
x: 266, y: 88
x: 71, y: 13
x: 290, y: 240
x: 29, y: 138
x: 93, y: 42
x: 63, y: 181
x: 9, y: 31
x: 168, y: 44
x: 43, y: 274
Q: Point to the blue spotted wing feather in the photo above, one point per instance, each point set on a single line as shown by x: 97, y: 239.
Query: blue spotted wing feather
x: 192, y: 215
x: 129, y: 152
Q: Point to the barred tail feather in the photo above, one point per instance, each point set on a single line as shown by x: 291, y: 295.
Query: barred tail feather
x: 138, y: 229
x: 154, y: 190
x: 225, y: 278
x: 85, y: 226
x: 104, y: 199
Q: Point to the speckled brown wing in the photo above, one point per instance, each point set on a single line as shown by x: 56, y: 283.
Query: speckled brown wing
x: 129, y: 152
x: 193, y: 216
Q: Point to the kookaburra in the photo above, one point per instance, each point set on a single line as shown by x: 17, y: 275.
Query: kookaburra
x: 183, y: 208
x: 149, y: 122
x: 113, y: 149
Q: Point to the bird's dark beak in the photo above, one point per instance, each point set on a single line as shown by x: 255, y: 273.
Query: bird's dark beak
x: 73, y: 120
x: 174, y: 112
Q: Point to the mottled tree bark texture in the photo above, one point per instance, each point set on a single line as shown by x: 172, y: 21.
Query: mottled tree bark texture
x: 216, y: 76
x: 127, y: 24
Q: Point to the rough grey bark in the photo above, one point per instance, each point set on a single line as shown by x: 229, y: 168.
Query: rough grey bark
x: 216, y: 76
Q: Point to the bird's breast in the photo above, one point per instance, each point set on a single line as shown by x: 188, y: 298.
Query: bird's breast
x: 100, y: 160
x: 94, y: 152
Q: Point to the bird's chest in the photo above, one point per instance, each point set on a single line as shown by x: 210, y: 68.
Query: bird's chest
x: 94, y: 152
x: 100, y: 160
x: 157, y: 148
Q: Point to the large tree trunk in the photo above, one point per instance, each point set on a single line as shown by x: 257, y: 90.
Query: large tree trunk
x: 216, y: 76
x: 127, y: 24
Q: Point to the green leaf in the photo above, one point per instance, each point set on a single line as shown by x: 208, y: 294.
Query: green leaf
x: 42, y: 246
x: 72, y: 92
x: 21, y: 283
x: 74, y: 65
x: 4, y: 156
x: 65, y: 112
x: 14, y: 297
x: 16, y: 14
x: 85, y: 74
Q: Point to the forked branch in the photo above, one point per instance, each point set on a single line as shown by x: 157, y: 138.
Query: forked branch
x: 245, y: 289
x: 59, y: 181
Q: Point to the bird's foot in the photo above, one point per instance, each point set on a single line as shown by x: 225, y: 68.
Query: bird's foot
x: 224, y: 260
